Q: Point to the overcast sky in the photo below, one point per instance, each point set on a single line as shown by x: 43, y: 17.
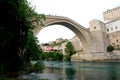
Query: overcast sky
x: 81, y: 11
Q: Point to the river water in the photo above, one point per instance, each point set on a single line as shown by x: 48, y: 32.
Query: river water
x: 61, y: 70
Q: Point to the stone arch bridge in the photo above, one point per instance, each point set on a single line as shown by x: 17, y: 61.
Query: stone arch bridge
x: 82, y: 33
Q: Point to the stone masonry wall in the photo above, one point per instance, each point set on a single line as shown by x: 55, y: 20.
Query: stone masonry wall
x: 92, y: 57
x: 112, y: 14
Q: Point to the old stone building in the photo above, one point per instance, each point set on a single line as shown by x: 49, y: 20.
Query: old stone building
x: 109, y: 30
x: 112, y: 14
x: 105, y: 33
x: 98, y: 30
x: 76, y: 44
x: 112, y: 21
x: 114, y: 39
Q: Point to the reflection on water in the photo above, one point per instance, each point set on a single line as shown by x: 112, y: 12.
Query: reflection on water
x: 56, y: 70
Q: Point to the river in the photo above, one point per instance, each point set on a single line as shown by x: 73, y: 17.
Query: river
x: 61, y: 70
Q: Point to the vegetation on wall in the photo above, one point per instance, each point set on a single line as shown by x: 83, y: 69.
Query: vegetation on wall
x: 110, y: 48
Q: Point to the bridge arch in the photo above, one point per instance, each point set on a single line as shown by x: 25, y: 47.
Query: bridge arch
x: 82, y: 33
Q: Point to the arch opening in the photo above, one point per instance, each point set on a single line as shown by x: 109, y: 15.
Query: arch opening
x: 53, y: 32
x: 79, y: 33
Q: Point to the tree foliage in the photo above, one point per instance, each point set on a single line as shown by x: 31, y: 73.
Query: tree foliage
x: 16, y: 37
x: 55, y: 55
x: 69, y: 50
x: 110, y: 48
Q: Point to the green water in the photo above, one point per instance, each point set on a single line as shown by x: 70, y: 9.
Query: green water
x: 56, y: 70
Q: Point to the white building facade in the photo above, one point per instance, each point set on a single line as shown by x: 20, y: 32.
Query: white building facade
x: 112, y: 19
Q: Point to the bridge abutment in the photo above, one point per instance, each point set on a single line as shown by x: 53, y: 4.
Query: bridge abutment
x: 99, y: 36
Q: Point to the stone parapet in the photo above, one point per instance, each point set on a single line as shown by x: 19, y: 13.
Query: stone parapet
x: 92, y: 57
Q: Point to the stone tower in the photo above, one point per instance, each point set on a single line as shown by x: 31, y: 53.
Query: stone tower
x: 98, y: 31
x: 112, y: 14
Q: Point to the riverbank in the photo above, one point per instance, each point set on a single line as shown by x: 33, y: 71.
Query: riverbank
x: 100, y: 61
x: 29, y: 68
x: 97, y: 57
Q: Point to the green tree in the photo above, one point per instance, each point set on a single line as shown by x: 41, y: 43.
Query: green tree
x: 110, y: 48
x: 51, y: 56
x: 69, y: 50
x: 46, y: 44
x: 33, y: 49
x: 16, y: 27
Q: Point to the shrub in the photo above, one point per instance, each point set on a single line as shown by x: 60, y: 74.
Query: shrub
x: 110, y: 48
x: 39, y: 66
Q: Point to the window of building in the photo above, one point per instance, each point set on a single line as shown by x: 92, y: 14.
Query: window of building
x: 111, y: 28
x: 107, y: 30
x: 107, y: 36
x: 116, y: 27
x: 117, y: 40
x: 94, y: 27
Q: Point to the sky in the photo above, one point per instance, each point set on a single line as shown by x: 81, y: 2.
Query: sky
x: 81, y: 11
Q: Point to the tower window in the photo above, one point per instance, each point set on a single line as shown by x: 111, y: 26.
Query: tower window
x: 116, y: 27
x: 107, y: 36
x: 94, y: 27
x: 111, y: 28
x: 117, y: 40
